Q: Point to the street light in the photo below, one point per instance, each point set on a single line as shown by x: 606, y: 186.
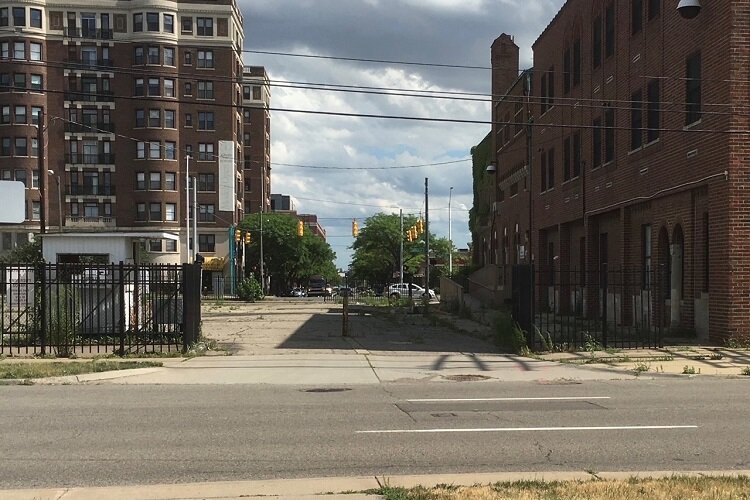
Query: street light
x: 450, y: 234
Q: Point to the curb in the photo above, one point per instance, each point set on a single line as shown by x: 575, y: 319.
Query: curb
x: 325, y: 488
x: 82, y: 378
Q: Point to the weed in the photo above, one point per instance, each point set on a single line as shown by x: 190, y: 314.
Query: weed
x: 641, y: 367
x: 746, y: 371
x: 716, y: 356
x: 739, y: 342
x: 509, y: 336
x: 688, y: 370
x: 592, y: 344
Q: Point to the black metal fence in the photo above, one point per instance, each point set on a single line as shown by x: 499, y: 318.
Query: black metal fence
x: 607, y: 307
x: 77, y: 309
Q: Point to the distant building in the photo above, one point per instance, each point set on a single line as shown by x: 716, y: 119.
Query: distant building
x: 256, y: 97
x: 311, y: 221
x: 282, y: 203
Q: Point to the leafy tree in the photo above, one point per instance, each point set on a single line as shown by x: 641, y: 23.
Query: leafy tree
x: 288, y: 259
x: 29, y: 253
x: 377, y: 249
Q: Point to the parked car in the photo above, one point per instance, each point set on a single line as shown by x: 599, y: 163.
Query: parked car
x: 398, y: 290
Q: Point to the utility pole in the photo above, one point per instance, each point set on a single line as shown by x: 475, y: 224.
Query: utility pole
x: 187, y: 210
x: 401, y: 254
x: 450, y: 234
x: 42, y: 174
x: 195, y: 216
x: 426, y: 243
x: 262, y: 210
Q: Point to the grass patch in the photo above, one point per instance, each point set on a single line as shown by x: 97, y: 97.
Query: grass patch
x: 656, y: 489
x: 37, y: 369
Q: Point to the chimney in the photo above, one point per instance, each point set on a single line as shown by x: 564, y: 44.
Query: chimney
x: 504, y: 64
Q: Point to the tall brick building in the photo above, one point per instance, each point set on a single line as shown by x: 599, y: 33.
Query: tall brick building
x: 257, y: 139
x: 636, y: 156
x: 128, y: 91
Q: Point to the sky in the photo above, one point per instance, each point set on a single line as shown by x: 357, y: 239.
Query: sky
x: 453, y: 32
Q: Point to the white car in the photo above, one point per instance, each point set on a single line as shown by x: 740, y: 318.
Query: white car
x: 398, y: 290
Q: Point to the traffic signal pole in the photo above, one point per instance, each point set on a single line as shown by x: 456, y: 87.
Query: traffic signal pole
x: 427, y: 243
x: 401, y: 254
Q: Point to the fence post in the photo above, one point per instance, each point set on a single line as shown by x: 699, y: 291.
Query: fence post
x: 661, y: 298
x: 121, y: 322
x: 345, y: 315
x: 42, y: 280
x: 604, y: 283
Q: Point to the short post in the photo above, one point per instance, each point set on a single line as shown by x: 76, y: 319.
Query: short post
x: 121, y: 322
x: 604, y: 283
x: 42, y: 280
x: 345, y: 315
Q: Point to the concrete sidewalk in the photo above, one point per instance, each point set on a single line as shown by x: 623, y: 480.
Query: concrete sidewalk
x: 338, y: 488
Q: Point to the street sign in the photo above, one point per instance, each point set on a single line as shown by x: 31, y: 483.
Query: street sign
x: 13, y: 194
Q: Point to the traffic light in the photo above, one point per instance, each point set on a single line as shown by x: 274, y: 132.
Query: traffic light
x: 355, y: 228
x: 300, y: 229
x: 247, y: 238
x: 237, y: 235
x: 414, y: 233
x: 408, y: 235
x: 420, y: 226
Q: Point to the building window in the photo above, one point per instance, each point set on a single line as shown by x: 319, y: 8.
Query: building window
x: 35, y: 18
x: 21, y: 176
x: 171, y: 246
x: 35, y: 112
x: 596, y: 49
x: 706, y: 255
x: 154, y: 89
x: 636, y: 120
x: 693, y: 89
x: 5, y: 116
x: 154, y: 245
x: 35, y: 210
x: 646, y: 256
x: 35, y: 51
x: 170, y: 181
x: 187, y: 24
x: 169, y: 118
x: 205, y: 151
x: 206, y: 183
x: 188, y: 89
x: 207, y: 243
x: 20, y: 114
x: 19, y: 16
x: 597, y: 142
x: 140, y: 211
x: 140, y: 118
x: 139, y: 88
x: 154, y: 211
x: 138, y: 57
x: 170, y: 212
x: 566, y: 159
x: 152, y: 21
x: 256, y: 93
x: 154, y: 118
x: 168, y: 23
x: 205, y: 58
x: 5, y: 149
x: 543, y: 101
x: 154, y: 181
x: 550, y: 169
x: 21, y: 147
x: 137, y: 22
x: 609, y: 31
x: 636, y: 16
x: 653, y: 111
x: 188, y: 120
x: 4, y: 16
x: 206, y: 120
x: 188, y: 58
x: 19, y: 50
x: 654, y: 8
x: 36, y: 82
x: 140, y: 150
x: 19, y: 82
x: 577, y: 62
x: 206, y: 213
x: 576, y: 154
x: 609, y: 135
x: 205, y: 90
x: 154, y: 150
x: 205, y: 26
x: 153, y: 55
x: 567, y: 62
x: 168, y: 56
x: 168, y: 87
x: 170, y: 149
x: 5, y: 50
x: 140, y: 181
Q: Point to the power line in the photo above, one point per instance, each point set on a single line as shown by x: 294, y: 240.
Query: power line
x: 373, y: 168
x: 359, y: 59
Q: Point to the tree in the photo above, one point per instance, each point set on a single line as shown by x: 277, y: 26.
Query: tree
x: 377, y: 249
x: 288, y: 259
x: 29, y: 253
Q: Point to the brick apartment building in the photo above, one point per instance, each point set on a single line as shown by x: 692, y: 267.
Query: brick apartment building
x: 635, y: 132
x: 257, y: 139
x: 128, y: 91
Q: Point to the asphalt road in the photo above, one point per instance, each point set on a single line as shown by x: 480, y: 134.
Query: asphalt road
x: 118, y: 435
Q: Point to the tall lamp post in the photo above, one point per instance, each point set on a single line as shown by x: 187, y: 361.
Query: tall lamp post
x: 450, y: 234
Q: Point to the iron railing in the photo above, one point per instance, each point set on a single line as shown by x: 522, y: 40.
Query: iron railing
x: 89, y: 309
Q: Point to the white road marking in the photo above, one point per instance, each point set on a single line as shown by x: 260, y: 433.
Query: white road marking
x: 532, y: 429
x: 474, y: 400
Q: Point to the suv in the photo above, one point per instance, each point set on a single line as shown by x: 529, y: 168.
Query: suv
x: 398, y: 290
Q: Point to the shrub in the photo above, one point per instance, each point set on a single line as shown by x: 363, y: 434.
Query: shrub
x: 508, y: 335
x: 250, y: 290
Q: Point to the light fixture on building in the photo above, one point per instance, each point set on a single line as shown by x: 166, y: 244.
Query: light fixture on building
x: 689, y: 8
x: 491, y: 168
